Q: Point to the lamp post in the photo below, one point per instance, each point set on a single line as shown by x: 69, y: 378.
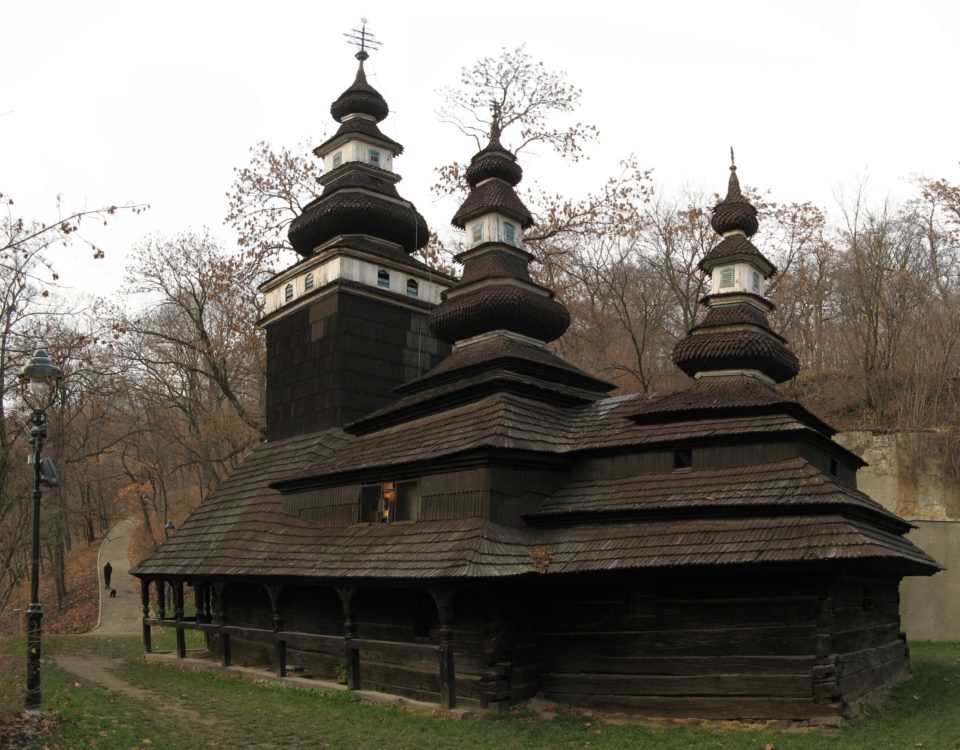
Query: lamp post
x: 37, y: 378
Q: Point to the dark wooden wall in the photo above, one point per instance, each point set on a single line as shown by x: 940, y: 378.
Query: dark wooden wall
x: 746, y: 647
x: 339, y: 358
x: 741, y: 648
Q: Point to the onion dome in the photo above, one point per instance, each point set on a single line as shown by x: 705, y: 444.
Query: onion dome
x: 361, y: 98
x: 496, y: 292
x: 735, y: 335
x: 492, y: 175
x: 360, y: 194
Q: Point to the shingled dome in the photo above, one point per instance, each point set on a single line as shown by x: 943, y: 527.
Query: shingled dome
x: 360, y: 99
x: 496, y: 292
x: 734, y: 212
x: 359, y: 194
x: 735, y: 334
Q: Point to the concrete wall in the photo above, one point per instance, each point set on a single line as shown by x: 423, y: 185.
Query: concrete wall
x: 915, y: 474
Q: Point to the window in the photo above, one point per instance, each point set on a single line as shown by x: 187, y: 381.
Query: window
x: 477, y: 232
x: 383, y: 279
x: 413, y: 288
x: 288, y: 293
x: 683, y: 459
x: 308, y: 282
x: 509, y: 233
x: 866, y: 599
x: 373, y: 156
x: 390, y: 501
x: 756, y: 282
x: 726, y: 278
x: 338, y: 159
x: 833, y: 467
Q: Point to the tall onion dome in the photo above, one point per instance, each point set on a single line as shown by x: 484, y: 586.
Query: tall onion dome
x: 735, y: 336
x: 496, y: 292
x: 359, y: 187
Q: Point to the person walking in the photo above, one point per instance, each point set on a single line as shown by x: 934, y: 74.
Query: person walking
x: 107, y: 570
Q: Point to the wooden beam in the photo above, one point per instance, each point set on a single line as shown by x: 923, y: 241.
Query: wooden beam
x: 222, y: 621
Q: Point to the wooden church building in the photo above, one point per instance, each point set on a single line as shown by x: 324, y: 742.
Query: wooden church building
x: 445, y: 510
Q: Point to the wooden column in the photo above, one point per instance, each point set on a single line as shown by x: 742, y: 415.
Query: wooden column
x: 280, y: 645
x: 351, y: 655
x: 178, y: 613
x: 145, y: 600
x: 222, y: 621
x: 448, y: 677
x: 162, y: 599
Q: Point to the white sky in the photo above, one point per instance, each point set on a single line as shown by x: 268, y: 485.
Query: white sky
x: 106, y: 102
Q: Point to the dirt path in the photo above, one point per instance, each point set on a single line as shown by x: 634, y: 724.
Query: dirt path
x: 99, y: 670
x: 121, y: 614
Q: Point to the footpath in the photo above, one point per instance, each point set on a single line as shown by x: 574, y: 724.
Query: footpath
x: 120, y: 614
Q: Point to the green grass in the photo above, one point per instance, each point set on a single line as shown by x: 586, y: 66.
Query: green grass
x: 230, y: 713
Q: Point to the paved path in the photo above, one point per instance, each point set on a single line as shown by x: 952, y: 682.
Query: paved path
x: 122, y: 614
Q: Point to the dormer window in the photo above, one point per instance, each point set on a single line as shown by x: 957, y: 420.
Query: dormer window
x: 337, y: 159
x: 383, y: 279
x: 373, y: 156
x: 308, y: 282
x: 390, y: 501
x: 509, y: 233
x: 726, y: 278
x: 413, y: 288
x: 288, y: 293
x: 477, y: 232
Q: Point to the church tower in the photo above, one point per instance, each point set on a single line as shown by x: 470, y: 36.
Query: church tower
x: 348, y: 323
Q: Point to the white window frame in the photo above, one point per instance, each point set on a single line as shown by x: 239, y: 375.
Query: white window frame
x: 383, y: 278
x: 373, y: 156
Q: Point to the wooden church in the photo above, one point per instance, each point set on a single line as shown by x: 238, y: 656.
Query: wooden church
x: 445, y: 510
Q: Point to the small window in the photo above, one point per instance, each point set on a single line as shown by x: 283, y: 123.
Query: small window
x: 413, y: 288
x: 756, y: 282
x: 338, y: 159
x: 833, y: 467
x: 373, y: 156
x: 390, y: 501
x: 683, y: 459
x: 288, y: 293
x: 308, y: 282
x: 509, y: 233
x: 383, y: 279
x: 726, y: 278
x: 477, y: 232
x: 866, y: 599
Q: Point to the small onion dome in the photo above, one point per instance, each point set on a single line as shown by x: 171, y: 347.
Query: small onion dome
x: 501, y: 306
x: 733, y: 248
x: 360, y: 99
x: 492, y: 175
x: 736, y: 350
x: 734, y: 212
x: 494, y: 161
x: 353, y: 212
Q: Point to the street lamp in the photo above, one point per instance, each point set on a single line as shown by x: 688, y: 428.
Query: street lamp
x: 38, y: 378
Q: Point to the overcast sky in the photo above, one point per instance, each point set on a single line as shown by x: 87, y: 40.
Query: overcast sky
x: 106, y: 102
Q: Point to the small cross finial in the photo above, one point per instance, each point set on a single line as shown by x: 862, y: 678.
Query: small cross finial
x: 363, y: 39
x: 495, y: 124
x: 733, y: 164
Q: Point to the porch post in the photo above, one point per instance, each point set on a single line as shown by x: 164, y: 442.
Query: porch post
x: 145, y: 601
x: 222, y: 621
x: 351, y: 655
x: 178, y: 613
x: 280, y: 645
x: 448, y: 677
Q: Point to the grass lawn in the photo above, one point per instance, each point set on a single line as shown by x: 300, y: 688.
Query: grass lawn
x: 178, y: 709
